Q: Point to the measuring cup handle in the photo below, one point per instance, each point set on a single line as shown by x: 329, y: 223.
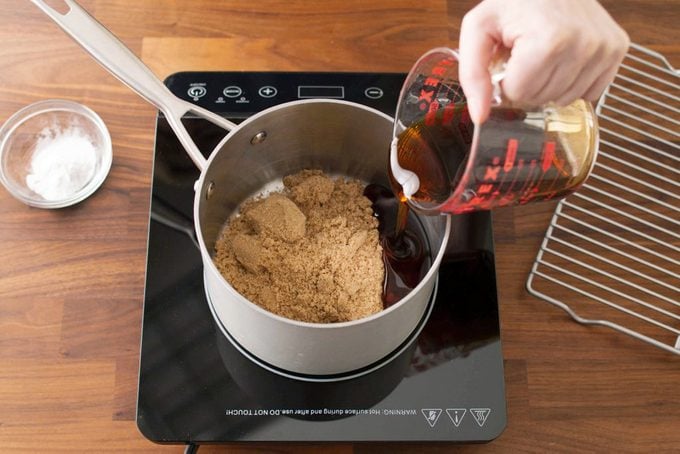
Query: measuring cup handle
x: 112, y: 54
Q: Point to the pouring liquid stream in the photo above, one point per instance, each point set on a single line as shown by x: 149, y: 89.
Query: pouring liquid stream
x: 421, y: 175
x: 406, y: 255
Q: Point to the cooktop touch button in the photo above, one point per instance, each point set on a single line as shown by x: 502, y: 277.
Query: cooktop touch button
x: 197, y: 91
x: 267, y: 91
x: 373, y: 93
x: 232, y: 91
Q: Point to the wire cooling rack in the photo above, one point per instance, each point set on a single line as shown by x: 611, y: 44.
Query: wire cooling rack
x: 611, y: 255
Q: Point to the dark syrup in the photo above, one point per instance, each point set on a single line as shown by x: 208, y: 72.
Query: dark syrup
x: 536, y: 168
x: 406, y: 254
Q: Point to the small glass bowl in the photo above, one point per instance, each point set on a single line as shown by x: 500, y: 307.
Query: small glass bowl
x: 54, y: 153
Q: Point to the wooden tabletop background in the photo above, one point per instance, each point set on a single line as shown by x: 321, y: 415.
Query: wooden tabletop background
x: 72, y: 280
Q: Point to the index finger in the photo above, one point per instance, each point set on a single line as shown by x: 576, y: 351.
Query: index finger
x: 479, y: 35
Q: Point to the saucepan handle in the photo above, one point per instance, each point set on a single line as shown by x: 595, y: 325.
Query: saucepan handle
x: 112, y: 54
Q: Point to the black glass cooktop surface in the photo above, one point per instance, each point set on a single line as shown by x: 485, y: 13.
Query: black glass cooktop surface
x: 196, y: 385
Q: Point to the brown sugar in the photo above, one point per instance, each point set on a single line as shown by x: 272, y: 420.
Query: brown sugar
x: 277, y: 217
x: 309, y: 253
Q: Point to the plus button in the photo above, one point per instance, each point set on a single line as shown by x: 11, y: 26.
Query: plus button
x: 267, y: 91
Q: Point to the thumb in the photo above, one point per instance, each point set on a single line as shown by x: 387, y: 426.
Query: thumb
x: 478, y: 39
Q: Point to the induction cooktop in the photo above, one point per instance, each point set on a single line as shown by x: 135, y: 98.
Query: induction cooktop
x: 197, y: 385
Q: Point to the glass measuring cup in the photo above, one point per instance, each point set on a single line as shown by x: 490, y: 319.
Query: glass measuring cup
x: 441, y: 162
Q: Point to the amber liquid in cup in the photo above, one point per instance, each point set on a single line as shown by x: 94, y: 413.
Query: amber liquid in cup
x: 518, y: 160
x: 435, y: 154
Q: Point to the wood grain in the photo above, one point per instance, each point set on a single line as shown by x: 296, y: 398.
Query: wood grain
x: 71, y: 280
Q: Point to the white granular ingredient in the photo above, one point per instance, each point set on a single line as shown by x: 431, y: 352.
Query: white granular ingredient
x: 62, y: 164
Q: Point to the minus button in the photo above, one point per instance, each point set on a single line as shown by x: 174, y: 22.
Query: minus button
x: 373, y: 93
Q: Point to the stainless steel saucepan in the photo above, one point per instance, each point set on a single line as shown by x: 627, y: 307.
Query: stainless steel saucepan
x: 339, y: 137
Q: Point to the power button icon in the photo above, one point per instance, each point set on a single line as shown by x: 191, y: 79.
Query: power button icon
x: 197, y: 92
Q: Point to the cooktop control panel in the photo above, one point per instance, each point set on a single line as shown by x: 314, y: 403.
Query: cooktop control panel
x: 240, y: 95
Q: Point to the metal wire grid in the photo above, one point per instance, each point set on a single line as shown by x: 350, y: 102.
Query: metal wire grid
x: 611, y: 255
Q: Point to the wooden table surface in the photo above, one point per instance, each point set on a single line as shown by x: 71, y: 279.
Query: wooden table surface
x: 72, y: 280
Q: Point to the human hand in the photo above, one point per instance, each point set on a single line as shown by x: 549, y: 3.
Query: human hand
x: 561, y: 50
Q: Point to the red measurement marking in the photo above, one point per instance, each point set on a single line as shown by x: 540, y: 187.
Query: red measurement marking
x: 432, y: 81
x: 510, y: 155
x: 509, y: 190
x: 527, y: 181
x: 449, y: 112
x: 492, y: 173
x: 529, y: 189
x: 425, y: 96
x: 551, y: 191
x: 548, y: 155
x: 538, y: 184
x: 463, y: 209
x: 506, y: 199
x: 485, y: 189
x: 476, y: 201
x: 431, y: 115
x: 439, y: 70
